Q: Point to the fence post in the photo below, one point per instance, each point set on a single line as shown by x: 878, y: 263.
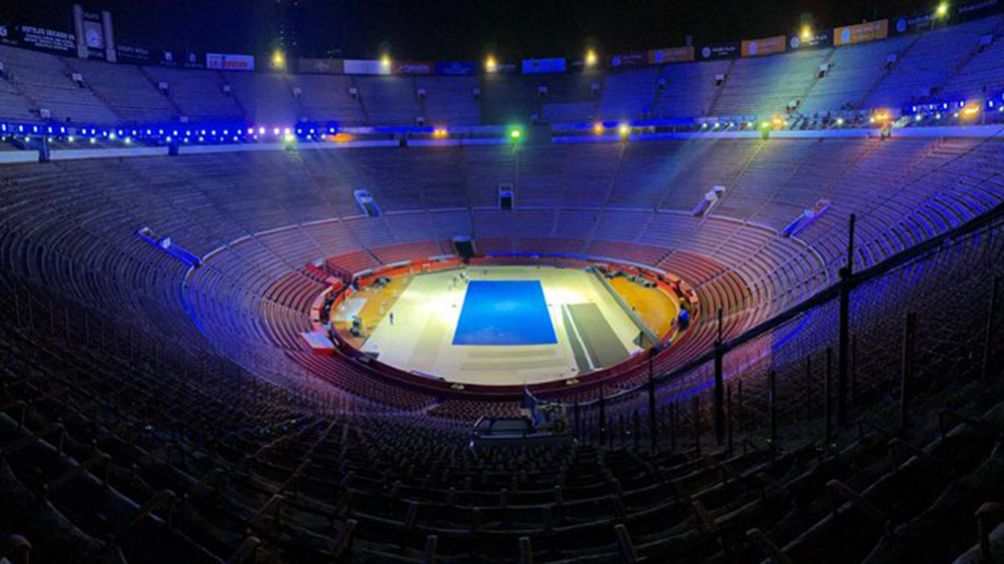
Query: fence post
x: 988, y: 359
x: 728, y: 420
x: 772, y: 408
x: 808, y: 387
x: 854, y: 371
x: 827, y: 407
x: 846, y: 275
x: 602, y: 418
x: 906, y: 372
x: 672, y: 426
x: 739, y: 406
x: 575, y: 420
x: 719, y: 385
x: 636, y: 429
x: 652, y: 430
x: 697, y: 423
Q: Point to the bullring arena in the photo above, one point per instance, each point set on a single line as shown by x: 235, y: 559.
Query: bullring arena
x: 735, y: 303
x: 539, y: 323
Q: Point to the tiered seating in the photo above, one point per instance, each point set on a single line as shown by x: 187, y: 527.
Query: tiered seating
x: 143, y: 405
x: 127, y: 90
x: 326, y: 98
x: 388, y: 100
x: 690, y: 89
x: 979, y: 75
x: 628, y: 94
x: 265, y: 98
x: 929, y: 61
x: 45, y: 81
x: 508, y: 99
x: 450, y: 101
x: 854, y: 71
x: 198, y: 94
x: 765, y: 85
x: 950, y: 61
x: 569, y: 99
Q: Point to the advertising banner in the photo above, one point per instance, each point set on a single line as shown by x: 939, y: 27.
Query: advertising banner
x: 764, y: 46
x: 544, y: 66
x: 912, y: 24
x: 629, y: 60
x: 45, y: 39
x: 817, y: 40
x: 671, y: 55
x: 456, y: 68
x: 720, y: 51
x: 413, y: 67
x: 860, y: 33
x: 322, y: 66
x: 223, y: 61
x: 365, y: 66
x: 979, y: 8
x: 507, y: 68
x: 187, y: 60
x: 133, y: 54
x: 7, y: 35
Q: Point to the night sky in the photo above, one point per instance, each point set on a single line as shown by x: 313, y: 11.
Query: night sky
x: 449, y: 29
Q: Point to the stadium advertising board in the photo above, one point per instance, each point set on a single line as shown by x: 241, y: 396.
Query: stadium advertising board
x: 365, y: 66
x: 629, y: 60
x: 911, y: 24
x: 764, y: 46
x: 413, y: 67
x: 719, y: 51
x: 671, y: 55
x: 860, y: 33
x: 132, y: 54
x: 979, y: 8
x: 7, y: 35
x: 817, y: 40
x: 322, y: 66
x: 45, y: 39
x: 223, y: 61
x: 187, y: 60
x: 544, y: 66
x: 456, y: 68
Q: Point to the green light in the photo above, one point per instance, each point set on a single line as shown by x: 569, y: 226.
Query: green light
x: 515, y: 134
x: 942, y: 10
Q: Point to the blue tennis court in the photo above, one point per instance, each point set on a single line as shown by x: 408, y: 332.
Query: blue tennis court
x: 504, y: 312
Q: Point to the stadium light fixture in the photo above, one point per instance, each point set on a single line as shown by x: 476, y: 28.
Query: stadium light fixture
x: 942, y: 10
x: 278, y: 60
x: 591, y: 58
x: 491, y: 65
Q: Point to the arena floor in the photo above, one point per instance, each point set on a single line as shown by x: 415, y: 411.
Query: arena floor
x: 494, y: 328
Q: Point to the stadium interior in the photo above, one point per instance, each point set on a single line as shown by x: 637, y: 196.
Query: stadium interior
x: 734, y: 303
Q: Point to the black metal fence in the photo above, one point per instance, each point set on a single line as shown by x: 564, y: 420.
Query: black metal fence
x: 917, y: 328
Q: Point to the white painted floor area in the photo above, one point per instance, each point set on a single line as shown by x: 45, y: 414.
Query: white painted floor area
x: 426, y: 314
